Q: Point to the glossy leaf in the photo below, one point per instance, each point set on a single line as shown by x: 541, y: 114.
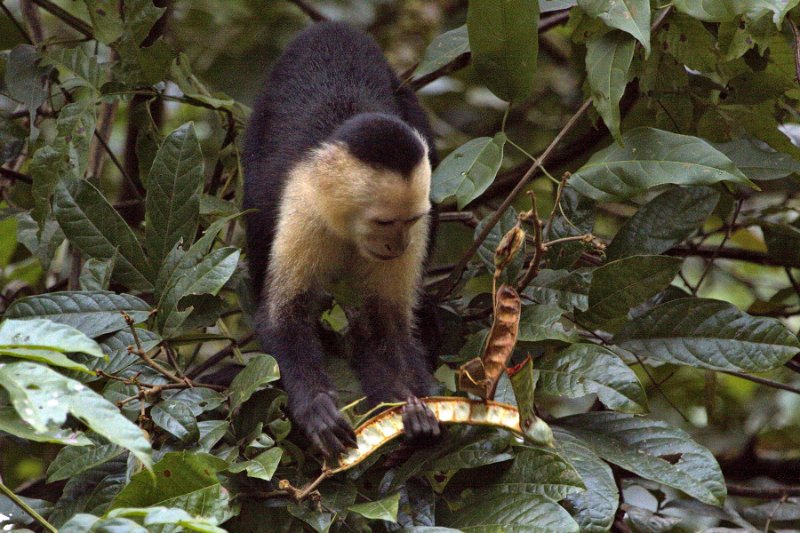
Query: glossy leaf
x: 43, y: 397
x: 649, y: 158
x: 500, y: 511
x: 566, y: 289
x: 90, y: 491
x: 94, y: 313
x: 262, y: 466
x: 442, y: 50
x: 107, y: 24
x: 72, y: 461
x: 630, y: 16
x: 13, y: 424
x: 504, y: 40
x: 715, y: 11
x: 653, y: 450
x: 94, y: 226
x: 25, y: 79
x: 608, y: 60
x: 468, y: 171
x: 39, y: 336
x: 385, y: 509
x: 666, y: 220
x: 709, y: 334
x: 260, y: 370
x: 174, y: 185
x: 623, y: 284
x: 543, y: 322
x: 166, y: 516
x: 177, y: 419
x: 538, y: 471
x: 82, y: 70
x: 595, y: 508
x: 585, y: 369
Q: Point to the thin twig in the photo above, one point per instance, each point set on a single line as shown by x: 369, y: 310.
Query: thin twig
x: 16, y: 24
x: 763, y: 381
x: 736, y: 254
x: 309, y: 10
x: 557, y: 203
x: 725, y: 238
x: 146, y: 358
x: 72, y: 21
x: 219, y: 356
x: 14, y: 175
x: 795, y: 284
x: 766, y: 493
x: 455, y: 276
x: 27, y: 508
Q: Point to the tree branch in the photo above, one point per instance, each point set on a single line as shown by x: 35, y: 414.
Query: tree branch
x: 736, y: 254
x: 71, y: 20
x: 766, y: 493
x: 14, y: 175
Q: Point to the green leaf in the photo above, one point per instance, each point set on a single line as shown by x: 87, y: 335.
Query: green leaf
x: 177, y: 419
x: 630, y: 16
x: 46, y: 335
x: 174, y: 185
x: 492, y: 449
x: 608, y: 60
x: 48, y: 357
x: 154, y: 516
x: 11, y: 423
x: 94, y: 226
x: 96, y: 274
x: 94, y: 313
x: 709, y: 334
x: 90, y: 491
x: 260, y: 370
x: 42, y: 243
x: 543, y: 322
x: 623, y: 284
x: 585, y: 369
x: 87, y: 523
x: 177, y: 474
x: 468, y: 170
x: 689, y: 42
x: 82, y: 69
x: 566, y: 289
x: 16, y: 516
x: 538, y: 471
x: 574, y: 217
x: 757, y: 162
x: 499, y: 511
x: 653, y: 450
x: 783, y: 242
x: 669, y: 218
x: 523, y: 383
x: 442, y: 50
x: 504, y: 40
x: 716, y: 11
x: 12, y: 138
x: 262, y: 466
x: 118, y: 345
x: 72, y: 461
x: 385, y: 509
x: 107, y: 25
x: 43, y: 397
x: 595, y: 508
x: 649, y: 158
x: 25, y: 80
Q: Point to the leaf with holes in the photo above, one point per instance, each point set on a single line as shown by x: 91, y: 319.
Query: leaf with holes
x: 630, y: 16
x: 43, y: 398
x: 709, y: 334
x: 653, y: 450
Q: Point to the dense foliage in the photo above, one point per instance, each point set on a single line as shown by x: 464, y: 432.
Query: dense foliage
x: 659, y: 271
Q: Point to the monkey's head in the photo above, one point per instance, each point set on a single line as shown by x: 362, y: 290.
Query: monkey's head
x: 374, y: 183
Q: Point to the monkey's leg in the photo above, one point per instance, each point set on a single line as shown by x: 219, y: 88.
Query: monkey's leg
x: 290, y: 335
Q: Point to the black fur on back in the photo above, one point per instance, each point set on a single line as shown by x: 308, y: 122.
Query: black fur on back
x: 328, y: 74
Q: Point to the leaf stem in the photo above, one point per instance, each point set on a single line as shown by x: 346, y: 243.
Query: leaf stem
x: 27, y: 508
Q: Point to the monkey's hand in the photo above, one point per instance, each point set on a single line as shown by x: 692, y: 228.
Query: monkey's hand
x: 420, y: 424
x: 322, y: 422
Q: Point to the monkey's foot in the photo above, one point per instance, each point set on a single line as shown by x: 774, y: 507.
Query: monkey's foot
x: 321, y: 420
x: 420, y: 424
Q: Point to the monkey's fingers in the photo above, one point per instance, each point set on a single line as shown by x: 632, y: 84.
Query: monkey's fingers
x: 420, y: 424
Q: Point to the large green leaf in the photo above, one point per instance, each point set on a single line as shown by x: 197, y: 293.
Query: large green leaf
x: 260, y: 370
x: 595, y: 508
x: 107, y: 25
x: 538, y: 471
x: 90, y: 491
x: 163, y: 516
x: 82, y: 69
x: 717, y: 11
x: 543, y: 323
x: 94, y: 226
x: 500, y: 511
x: 504, y: 40
x: 174, y: 185
x: 94, y: 313
x: 468, y: 170
x: 72, y: 460
x: 759, y: 163
x: 566, y: 289
x: 262, y: 466
x: 494, y: 448
x: 43, y: 397
x: 25, y: 80
x: 709, y: 334
x: 664, y: 221
x: 631, y: 16
x: 623, y: 284
x: 442, y: 50
x: 45, y: 334
x: 177, y: 419
x: 649, y: 158
x: 608, y: 60
x: 177, y: 474
x: 11, y: 423
x: 653, y: 450
x: 584, y: 369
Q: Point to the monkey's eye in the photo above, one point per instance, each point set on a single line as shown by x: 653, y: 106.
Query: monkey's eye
x: 383, y: 222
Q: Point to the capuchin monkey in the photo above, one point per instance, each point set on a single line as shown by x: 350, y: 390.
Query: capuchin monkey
x: 337, y: 160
